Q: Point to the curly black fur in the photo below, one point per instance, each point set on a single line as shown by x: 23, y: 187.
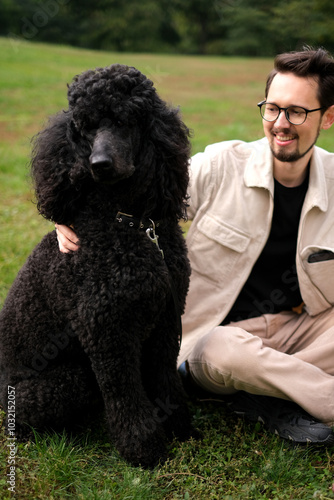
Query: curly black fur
x: 99, y: 324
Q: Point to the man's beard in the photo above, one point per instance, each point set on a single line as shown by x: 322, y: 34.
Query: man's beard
x: 294, y: 156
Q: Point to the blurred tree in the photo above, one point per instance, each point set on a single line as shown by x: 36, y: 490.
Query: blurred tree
x: 246, y: 25
x: 143, y: 26
x: 229, y: 27
x: 198, y: 23
x: 294, y: 24
x: 9, y: 14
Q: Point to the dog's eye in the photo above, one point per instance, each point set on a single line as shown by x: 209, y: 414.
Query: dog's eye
x: 90, y: 134
x: 104, y: 123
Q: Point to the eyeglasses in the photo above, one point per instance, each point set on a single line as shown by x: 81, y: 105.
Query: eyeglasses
x: 294, y: 114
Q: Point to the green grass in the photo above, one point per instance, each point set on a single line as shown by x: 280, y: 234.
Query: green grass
x: 233, y: 460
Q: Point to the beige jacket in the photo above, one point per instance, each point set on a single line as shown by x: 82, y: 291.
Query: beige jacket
x: 231, y: 205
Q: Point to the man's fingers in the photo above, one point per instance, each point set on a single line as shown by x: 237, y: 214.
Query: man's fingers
x: 67, y: 239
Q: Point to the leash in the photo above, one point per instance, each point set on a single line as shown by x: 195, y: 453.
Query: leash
x: 149, y: 226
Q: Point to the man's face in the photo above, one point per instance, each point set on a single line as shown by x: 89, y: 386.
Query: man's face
x: 290, y: 143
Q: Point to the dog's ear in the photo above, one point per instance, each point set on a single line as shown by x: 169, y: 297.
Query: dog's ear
x: 53, y: 158
x: 81, y: 149
x: 168, y: 151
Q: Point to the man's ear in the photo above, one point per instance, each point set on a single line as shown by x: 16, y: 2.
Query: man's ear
x: 328, y: 118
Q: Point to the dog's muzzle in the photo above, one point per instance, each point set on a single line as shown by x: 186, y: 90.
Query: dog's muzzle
x: 106, y: 166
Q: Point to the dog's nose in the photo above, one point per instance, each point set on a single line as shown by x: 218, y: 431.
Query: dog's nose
x: 100, y: 161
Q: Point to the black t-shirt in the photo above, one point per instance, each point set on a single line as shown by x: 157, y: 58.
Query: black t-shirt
x: 273, y: 286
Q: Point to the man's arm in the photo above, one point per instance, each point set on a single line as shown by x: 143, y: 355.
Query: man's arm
x: 67, y: 239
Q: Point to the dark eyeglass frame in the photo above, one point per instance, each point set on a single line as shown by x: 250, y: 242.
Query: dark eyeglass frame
x: 286, y: 112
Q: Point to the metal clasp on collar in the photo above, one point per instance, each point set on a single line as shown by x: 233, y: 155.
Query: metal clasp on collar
x: 154, y: 237
x: 119, y: 218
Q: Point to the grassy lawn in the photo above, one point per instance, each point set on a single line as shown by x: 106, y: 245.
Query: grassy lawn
x: 233, y: 460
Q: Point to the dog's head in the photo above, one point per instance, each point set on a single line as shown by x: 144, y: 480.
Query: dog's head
x: 119, y: 133
x: 109, y: 107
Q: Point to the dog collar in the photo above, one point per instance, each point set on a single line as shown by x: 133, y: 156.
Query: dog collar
x: 132, y: 221
x: 148, y: 224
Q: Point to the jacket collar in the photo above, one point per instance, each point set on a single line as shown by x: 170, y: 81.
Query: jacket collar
x: 259, y: 167
x: 316, y: 195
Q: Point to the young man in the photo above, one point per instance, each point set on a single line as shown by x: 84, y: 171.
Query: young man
x: 259, y: 321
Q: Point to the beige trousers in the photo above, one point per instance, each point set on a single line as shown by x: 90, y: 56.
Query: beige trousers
x: 285, y: 355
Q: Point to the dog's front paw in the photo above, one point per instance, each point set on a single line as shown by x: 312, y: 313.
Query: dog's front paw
x: 146, y: 450
x: 178, y: 424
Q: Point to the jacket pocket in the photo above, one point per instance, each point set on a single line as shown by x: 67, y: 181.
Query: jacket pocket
x: 320, y: 273
x: 215, y: 248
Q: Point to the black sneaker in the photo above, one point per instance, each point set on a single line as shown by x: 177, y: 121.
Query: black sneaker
x: 284, y: 418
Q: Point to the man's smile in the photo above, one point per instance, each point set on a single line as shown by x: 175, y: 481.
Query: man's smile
x: 283, y: 138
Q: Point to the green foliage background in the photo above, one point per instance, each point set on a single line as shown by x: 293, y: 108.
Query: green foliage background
x: 224, y: 27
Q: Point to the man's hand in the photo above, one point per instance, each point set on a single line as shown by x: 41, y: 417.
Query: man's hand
x: 67, y: 239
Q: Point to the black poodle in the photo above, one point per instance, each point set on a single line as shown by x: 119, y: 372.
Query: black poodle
x: 101, y: 325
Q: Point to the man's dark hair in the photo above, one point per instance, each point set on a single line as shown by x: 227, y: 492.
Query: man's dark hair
x: 313, y: 63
